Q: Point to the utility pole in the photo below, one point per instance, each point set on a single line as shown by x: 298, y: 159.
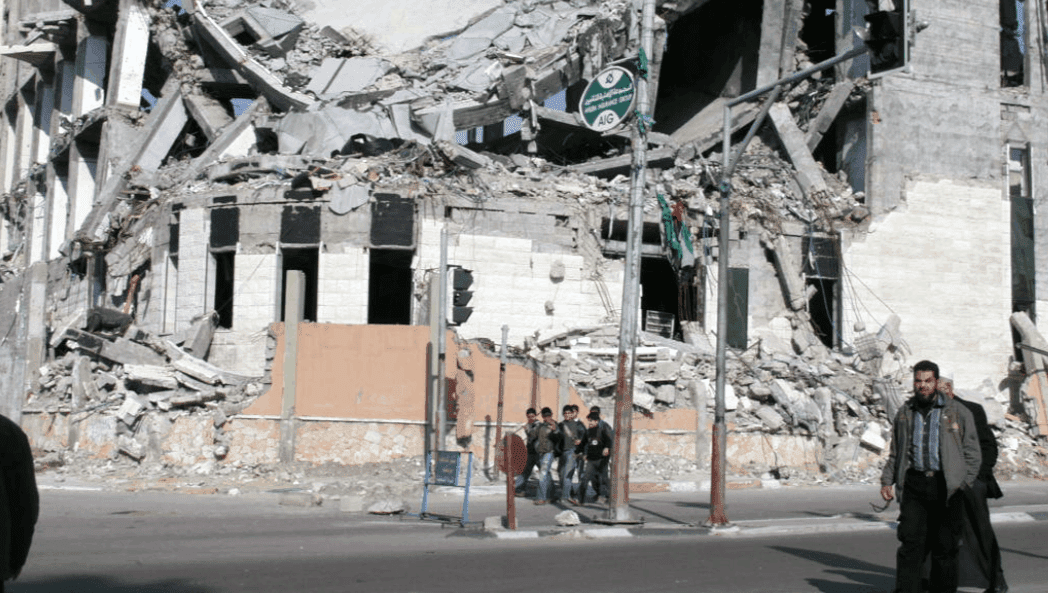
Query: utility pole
x: 618, y: 505
x: 442, y: 343
x: 720, y: 432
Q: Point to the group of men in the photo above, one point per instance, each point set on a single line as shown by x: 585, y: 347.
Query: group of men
x: 580, y: 449
x: 940, y: 465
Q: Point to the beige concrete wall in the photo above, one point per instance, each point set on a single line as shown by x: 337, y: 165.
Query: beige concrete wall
x: 942, y: 264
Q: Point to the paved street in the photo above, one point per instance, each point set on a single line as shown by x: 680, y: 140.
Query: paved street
x: 161, y: 542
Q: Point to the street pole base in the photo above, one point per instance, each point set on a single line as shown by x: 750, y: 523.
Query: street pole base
x: 618, y: 516
x: 719, y: 522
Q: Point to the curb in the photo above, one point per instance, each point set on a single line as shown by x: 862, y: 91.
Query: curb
x: 745, y: 528
x: 634, y: 487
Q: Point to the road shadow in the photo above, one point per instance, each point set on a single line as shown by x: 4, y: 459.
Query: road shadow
x: 100, y: 584
x: 1023, y: 553
x: 666, y: 518
x: 866, y: 577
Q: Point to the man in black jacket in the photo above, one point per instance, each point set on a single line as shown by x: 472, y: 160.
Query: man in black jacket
x: 19, y: 500
x: 978, y: 533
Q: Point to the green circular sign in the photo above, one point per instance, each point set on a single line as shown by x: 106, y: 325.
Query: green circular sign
x: 607, y: 99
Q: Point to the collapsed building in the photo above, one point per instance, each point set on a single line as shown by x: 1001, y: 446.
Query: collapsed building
x: 167, y: 168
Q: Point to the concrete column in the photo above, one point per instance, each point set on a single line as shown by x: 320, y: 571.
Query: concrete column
x: 24, y: 139
x: 36, y: 326
x: 82, y: 171
x: 294, y: 309
x: 45, y: 107
x: 59, y: 213
x: 131, y: 44
x: 194, y: 230
x: 89, y: 92
x: 38, y: 228
x: 10, y: 136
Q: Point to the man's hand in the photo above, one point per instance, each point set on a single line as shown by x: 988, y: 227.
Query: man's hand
x: 888, y: 492
x: 606, y: 451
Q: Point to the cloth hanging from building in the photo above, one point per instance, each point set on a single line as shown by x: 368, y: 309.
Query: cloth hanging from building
x: 678, y: 239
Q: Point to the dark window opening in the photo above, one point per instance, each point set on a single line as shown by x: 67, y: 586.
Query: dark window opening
x: 1024, y: 293
x: 618, y: 230
x: 390, y: 287
x: 822, y: 310
x: 819, y: 32
x: 738, y: 307
x: 392, y: 221
x: 191, y: 143
x: 307, y: 261
x: 224, y: 289
x: 225, y: 227
x: 822, y: 270
x: 711, y: 52
x: 664, y: 301
x: 1013, y: 48
x: 155, y: 76
x: 300, y: 225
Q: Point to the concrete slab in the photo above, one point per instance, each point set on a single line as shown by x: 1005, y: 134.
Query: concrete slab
x: 397, y: 27
x: 338, y: 76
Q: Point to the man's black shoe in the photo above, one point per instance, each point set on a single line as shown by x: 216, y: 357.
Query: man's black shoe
x: 1002, y: 588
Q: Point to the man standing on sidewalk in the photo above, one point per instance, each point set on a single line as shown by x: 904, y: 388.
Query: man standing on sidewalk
x: 547, y: 440
x: 978, y: 533
x: 934, y: 455
x: 19, y: 500
x: 572, y: 432
x: 521, y: 481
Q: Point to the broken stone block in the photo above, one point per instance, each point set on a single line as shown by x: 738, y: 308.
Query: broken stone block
x: 642, y: 397
x: 351, y: 504
x: 131, y: 409
x: 161, y: 377
x: 567, y: 518
x: 299, y: 499
x: 731, y: 401
x: 388, y: 507
x: 872, y: 438
x: 198, y: 341
x: 125, y: 352
x: 130, y: 447
x: 770, y: 417
x: 666, y: 393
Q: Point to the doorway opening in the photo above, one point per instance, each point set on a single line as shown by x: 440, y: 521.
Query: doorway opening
x: 390, y: 287
x: 307, y: 261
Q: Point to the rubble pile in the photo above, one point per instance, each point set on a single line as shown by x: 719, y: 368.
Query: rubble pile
x: 104, y: 365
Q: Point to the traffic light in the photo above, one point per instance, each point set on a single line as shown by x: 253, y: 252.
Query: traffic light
x: 888, y: 39
x: 461, y: 280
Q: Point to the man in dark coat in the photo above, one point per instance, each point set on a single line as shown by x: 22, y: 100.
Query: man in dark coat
x: 19, y: 501
x: 978, y: 534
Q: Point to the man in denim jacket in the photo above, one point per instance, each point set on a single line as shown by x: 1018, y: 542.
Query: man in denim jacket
x: 934, y: 454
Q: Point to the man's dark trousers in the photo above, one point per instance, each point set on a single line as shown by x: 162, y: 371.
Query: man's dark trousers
x: 928, y: 524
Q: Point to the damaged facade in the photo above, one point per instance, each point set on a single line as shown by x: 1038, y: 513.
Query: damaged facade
x: 165, y: 167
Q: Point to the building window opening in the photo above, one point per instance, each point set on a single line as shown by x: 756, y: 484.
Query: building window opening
x: 390, y: 287
x: 307, y: 261
x: 154, y: 78
x: 723, y: 32
x: 1013, y: 47
x: 224, y: 273
x: 1023, y: 268
x: 822, y: 272
x: 664, y: 301
x: 818, y: 31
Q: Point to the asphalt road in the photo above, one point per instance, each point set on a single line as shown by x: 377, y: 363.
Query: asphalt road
x: 91, y: 542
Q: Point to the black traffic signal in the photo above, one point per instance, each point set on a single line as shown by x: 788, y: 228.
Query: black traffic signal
x: 461, y: 280
x: 887, y: 37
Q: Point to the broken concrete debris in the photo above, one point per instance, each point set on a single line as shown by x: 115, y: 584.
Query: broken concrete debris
x: 276, y: 132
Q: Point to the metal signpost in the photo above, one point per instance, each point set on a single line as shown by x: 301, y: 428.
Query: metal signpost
x: 446, y: 470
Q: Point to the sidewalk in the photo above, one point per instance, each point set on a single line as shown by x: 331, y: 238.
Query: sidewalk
x: 752, y: 512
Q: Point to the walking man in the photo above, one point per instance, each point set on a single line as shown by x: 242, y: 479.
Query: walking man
x: 19, y: 500
x: 572, y: 432
x: 521, y: 481
x: 598, y: 447
x: 547, y: 439
x: 934, y: 455
x: 977, y: 531
x: 605, y: 478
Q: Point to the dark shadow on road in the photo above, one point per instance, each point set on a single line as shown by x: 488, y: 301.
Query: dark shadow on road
x: 1022, y: 553
x: 866, y: 576
x: 100, y: 584
x: 637, y: 507
x: 694, y: 505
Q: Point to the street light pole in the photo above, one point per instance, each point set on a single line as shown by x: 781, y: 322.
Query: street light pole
x: 618, y: 503
x: 720, y: 432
